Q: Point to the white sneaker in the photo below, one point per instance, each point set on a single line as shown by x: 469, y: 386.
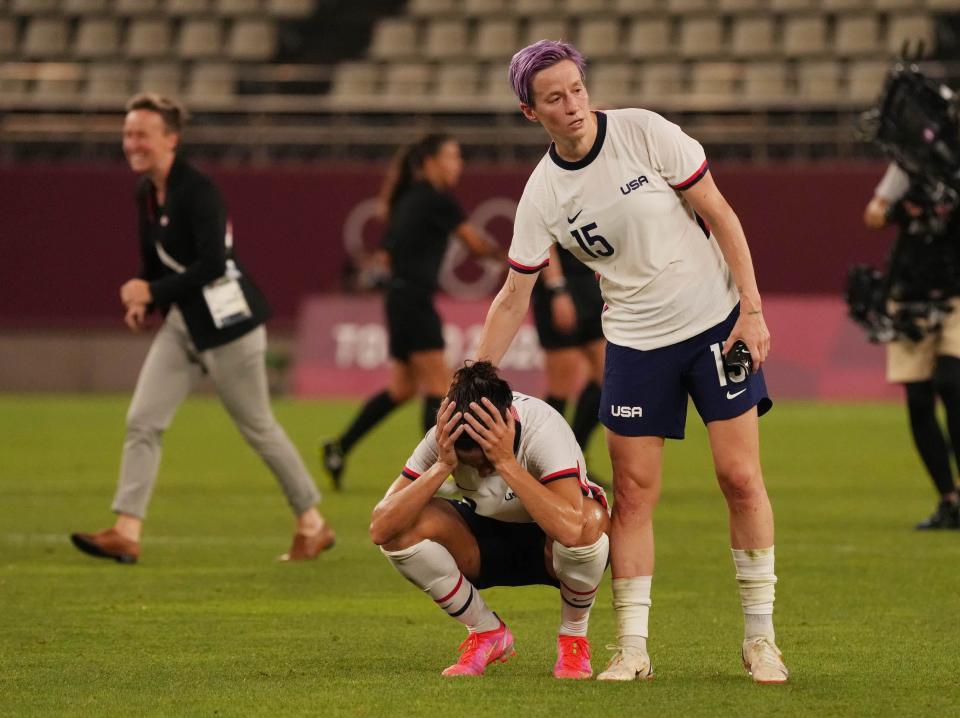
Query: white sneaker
x: 763, y: 661
x: 627, y: 664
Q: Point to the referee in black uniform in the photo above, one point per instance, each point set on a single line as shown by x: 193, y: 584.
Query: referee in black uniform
x: 213, y: 325
x: 421, y: 215
x: 567, y: 305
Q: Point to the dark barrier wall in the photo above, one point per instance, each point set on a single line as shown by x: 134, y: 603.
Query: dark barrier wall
x: 67, y: 238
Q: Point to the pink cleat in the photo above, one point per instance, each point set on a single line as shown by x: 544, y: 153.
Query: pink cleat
x: 479, y: 650
x: 573, y: 657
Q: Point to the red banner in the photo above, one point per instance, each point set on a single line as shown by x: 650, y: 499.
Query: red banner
x: 817, y: 353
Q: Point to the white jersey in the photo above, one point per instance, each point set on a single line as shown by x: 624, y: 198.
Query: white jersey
x: 619, y: 211
x: 546, y: 448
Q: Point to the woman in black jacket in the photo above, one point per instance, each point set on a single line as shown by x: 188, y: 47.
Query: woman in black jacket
x: 213, y: 325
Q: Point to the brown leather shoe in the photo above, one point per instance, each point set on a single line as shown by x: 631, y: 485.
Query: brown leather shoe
x: 306, y: 547
x: 108, y: 544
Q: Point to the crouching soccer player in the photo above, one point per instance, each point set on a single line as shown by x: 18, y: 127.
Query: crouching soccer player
x: 529, y: 516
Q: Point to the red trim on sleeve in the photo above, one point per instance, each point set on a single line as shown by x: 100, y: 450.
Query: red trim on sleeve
x: 524, y: 269
x: 410, y: 473
x: 694, y: 178
x: 571, y: 473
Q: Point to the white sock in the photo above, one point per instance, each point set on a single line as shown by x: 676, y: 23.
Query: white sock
x: 756, y: 579
x: 580, y: 570
x: 430, y: 567
x: 631, y: 602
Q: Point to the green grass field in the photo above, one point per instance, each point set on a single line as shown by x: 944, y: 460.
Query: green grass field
x: 209, y: 624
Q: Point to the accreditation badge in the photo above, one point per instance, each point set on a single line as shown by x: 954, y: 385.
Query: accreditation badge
x: 226, y: 302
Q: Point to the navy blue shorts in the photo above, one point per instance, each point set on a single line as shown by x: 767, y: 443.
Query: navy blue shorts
x: 511, y: 554
x: 645, y: 392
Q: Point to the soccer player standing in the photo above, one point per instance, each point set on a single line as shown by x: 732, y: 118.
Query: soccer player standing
x: 529, y: 516
x: 630, y: 195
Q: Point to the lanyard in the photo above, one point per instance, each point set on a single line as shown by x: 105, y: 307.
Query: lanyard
x: 179, y: 268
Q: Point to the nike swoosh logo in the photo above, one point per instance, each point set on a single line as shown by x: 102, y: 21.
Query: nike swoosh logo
x: 735, y: 394
x: 571, y: 221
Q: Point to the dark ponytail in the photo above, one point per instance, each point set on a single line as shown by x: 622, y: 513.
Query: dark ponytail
x: 407, y: 166
x: 471, y: 383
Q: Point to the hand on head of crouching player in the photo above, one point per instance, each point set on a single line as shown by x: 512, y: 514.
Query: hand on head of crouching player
x: 448, y: 432
x: 494, y: 433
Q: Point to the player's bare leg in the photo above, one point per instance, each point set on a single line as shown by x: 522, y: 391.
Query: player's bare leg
x: 735, y: 444
x: 439, y: 555
x: 637, y: 467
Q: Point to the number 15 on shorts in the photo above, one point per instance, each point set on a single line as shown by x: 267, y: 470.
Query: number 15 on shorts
x: 736, y: 376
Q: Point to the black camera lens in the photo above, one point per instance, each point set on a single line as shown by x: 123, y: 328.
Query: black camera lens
x: 738, y: 364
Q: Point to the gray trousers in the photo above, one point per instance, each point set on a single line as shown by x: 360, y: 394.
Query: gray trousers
x: 172, y: 368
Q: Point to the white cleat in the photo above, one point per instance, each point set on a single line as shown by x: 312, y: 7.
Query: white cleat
x: 627, y: 664
x: 763, y: 661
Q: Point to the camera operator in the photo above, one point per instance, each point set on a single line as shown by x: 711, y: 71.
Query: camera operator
x: 925, y: 356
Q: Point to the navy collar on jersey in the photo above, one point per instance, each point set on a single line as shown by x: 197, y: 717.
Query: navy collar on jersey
x: 591, y: 155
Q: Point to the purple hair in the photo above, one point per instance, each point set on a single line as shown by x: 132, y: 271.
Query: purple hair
x: 539, y: 56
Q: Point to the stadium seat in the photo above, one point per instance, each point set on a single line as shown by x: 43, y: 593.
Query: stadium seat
x: 630, y: 8
x: 97, y: 37
x: 752, y: 36
x: 583, y: 7
x: 684, y: 7
x: 45, y: 37
x: 610, y: 83
x: 496, y: 87
x: 714, y: 80
x: 734, y: 7
x: 83, y: 7
x: 660, y: 79
x: 431, y: 8
x: 818, y: 80
x: 791, y: 6
x: 446, y: 38
x: 911, y: 28
x: 184, y: 8
x: 496, y: 39
x: 236, y: 8
x: 599, y: 38
x: 943, y: 5
x: 33, y: 7
x: 701, y: 36
x: 394, y: 38
x: 456, y: 80
x: 546, y: 28
x: 765, y: 80
x: 211, y: 81
x: 199, y: 38
x: 160, y: 77
x: 805, y: 35
x: 406, y: 79
x: 845, y: 5
x: 252, y: 39
x: 136, y: 7
x: 148, y: 37
x: 290, y: 8
x: 857, y: 35
x: 56, y: 83
x: 865, y: 79
x: 108, y: 82
x: 900, y: 4
x: 534, y: 7
x: 650, y: 37
x: 8, y: 37
x: 478, y: 8
x: 355, y: 79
